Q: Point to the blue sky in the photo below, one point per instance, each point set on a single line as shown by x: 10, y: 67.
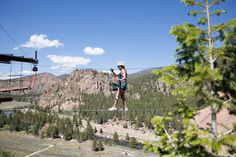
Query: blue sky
x: 135, y: 31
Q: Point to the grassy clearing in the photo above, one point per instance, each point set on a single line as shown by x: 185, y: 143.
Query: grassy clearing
x: 23, y: 144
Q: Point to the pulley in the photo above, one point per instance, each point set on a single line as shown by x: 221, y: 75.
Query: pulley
x: 35, y: 69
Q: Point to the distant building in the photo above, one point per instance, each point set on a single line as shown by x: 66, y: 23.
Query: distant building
x: 225, y: 120
x: 7, y: 113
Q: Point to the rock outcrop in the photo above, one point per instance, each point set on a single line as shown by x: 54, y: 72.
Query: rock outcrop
x: 67, y: 94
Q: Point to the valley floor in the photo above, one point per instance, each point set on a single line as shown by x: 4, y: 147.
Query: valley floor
x: 23, y: 144
x: 140, y: 134
x: 109, y: 128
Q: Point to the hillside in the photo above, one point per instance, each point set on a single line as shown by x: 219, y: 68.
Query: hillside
x: 62, y: 77
x: 67, y: 94
x: 142, y: 73
x: 42, y: 82
x: 146, y: 81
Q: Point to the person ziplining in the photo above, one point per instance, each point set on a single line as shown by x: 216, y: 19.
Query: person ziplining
x: 120, y: 87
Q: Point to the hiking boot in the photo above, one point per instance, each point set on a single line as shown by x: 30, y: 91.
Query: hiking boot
x: 112, y: 109
x: 124, y: 109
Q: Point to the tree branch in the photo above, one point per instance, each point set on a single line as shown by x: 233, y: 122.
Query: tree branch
x: 199, y: 4
x: 217, y: 29
x: 230, y: 98
x: 214, y: 2
x: 226, y: 133
x: 213, y: 60
x: 227, y: 101
x: 169, y: 138
x: 205, y: 58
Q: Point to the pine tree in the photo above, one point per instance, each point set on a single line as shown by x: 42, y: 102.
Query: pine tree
x: 133, y: 143
x: 89, y: 132
x: 125, y: 125
x: 127, y: 137
x: 80, y: 122
x: 76, y: 135
x: 35, y: 130
x: 75, y: 120
x: 94, y: 146
x: 100, y: 146
x: 52, y: 132
x: 139, y: 121
x: 15, y: 124
x: 68, y: 132
x: 227, y: 65
x: 100, y: 120
x: 101, y: 131
x: 3, y: 119
x: 148, y: 123
x: 82, y: 137
x: 4, y: 153
x: 95, y: 130
x: 199, y: 53
x: 198, y: 74
x: 115, y: 138
x: 61, y: 126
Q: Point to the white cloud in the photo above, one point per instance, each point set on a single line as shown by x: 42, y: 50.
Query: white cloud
x: 26, y: 72
x: 15, y: 48
x: 40, y: 41
x: 67, y: 61
x: 94, y: 51
x: 55, y: 67
x: 6, y: 76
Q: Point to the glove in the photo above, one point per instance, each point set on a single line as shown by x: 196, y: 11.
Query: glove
x: 112, y: 70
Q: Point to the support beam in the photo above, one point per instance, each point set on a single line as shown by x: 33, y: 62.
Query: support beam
x: 5, y: 99
x: 7, y: 58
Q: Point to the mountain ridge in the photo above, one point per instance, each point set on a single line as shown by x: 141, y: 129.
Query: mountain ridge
x: 143, y: 72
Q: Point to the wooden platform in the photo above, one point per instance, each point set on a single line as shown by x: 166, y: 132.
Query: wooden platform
x: 14, y: 89
x: 7, y: 58
x: 5, y: 99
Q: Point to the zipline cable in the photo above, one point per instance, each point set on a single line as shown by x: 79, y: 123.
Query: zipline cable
x: 136, y: 109
x: 100, y: 69
x: 12, y: 39
x: 21, y: 79
x: 9, y: 86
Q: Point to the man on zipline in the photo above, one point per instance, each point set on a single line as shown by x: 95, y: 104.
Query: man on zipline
x: 122, y: 85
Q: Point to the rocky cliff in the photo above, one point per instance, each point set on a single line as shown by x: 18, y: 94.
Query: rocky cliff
x: 67, y: 94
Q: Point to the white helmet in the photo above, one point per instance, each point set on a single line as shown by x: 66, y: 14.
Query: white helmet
x: 120, y: 63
